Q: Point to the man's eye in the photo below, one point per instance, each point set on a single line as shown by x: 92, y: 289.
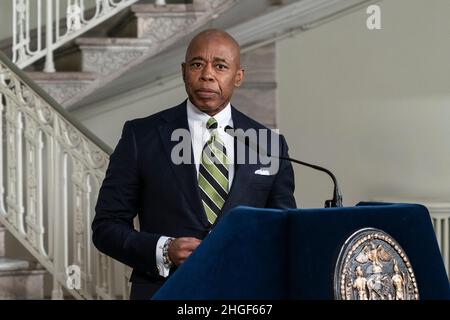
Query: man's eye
x: 221, y: 66
x: 196, y: 64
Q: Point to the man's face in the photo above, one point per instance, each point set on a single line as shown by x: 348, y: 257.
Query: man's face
x: 211, y: 71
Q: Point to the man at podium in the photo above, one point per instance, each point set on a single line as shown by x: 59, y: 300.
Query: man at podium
x: 178, y: 203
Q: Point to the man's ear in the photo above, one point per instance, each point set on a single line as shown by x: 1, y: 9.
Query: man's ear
x: 183, y: 71
x: 239, y: 78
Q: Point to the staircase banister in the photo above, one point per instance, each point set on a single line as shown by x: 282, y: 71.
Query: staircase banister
x: 55, y: 105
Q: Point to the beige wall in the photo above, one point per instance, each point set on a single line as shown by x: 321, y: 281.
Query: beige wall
x: 373, y: 106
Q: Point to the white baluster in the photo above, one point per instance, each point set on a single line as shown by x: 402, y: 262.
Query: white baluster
x: 39, y: 26
x: 28, y: 29
x: 87, y: 234
x: 73, y: 17
x: 126, y: 274
x: 438, y: 230
x: 40, y: 195
x: 31, y: 147
x: 11, y: 163
x: 14, y: 31
x: 59, y: 189
x: 2, y: 189
x: 104, y: 270
x: 57, y: 28
x: 19, y: 29
x: 49, y: 63
x: 19, y: 175
x: 57, y: 292
x: 50, y: 169
x: 64, y: 227
x: 160, y: 2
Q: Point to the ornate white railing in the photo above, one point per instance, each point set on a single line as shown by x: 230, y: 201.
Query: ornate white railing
x: 51, y: 169
x: 25, y: 52
x: 440, y: 217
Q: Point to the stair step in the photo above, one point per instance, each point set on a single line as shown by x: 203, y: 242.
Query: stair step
x: 63, y: 86
x: 148, y: 14
x: 107, y: 42
x: 7, y: 264
x: 62, y: 76
x: 20, y: 279
x: 161, y: 22
x: 108, y: 55
x: 142, y: 8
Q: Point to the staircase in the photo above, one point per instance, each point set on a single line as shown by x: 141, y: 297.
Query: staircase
x: 114, y: 47
x: 19, y: 279
x: 51, y: 166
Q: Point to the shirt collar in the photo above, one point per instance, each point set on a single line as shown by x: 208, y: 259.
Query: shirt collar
x: 194, y: 115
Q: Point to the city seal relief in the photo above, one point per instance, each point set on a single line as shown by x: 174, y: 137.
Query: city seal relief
x: 373, y: 266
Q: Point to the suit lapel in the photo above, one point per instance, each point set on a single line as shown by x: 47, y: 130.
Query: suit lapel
x: 185, y: 173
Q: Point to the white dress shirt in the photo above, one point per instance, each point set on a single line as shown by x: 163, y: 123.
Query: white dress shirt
x: 200, y: 135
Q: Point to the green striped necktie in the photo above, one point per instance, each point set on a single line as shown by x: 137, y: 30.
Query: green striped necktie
x: 213, y: 173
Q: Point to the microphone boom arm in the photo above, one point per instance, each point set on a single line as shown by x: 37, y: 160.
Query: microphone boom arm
x: 337, y: 196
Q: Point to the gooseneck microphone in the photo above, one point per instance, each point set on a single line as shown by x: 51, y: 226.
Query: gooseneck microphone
x: 337, y: 196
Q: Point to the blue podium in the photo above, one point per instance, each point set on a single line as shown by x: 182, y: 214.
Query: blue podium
x: 292, y: 254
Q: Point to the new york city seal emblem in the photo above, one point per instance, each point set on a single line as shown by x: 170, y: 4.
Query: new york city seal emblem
x: 373, y: 266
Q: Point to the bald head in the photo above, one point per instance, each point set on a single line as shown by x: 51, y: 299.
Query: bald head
x: 212, y: 69
x: 209, y: 35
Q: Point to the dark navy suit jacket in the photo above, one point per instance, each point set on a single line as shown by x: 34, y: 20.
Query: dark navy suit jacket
x: 142, y: 180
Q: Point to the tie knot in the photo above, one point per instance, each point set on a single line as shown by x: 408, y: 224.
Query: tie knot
x: 211, y: 124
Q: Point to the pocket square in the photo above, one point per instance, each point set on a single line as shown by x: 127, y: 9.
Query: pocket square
x: 262, y: 172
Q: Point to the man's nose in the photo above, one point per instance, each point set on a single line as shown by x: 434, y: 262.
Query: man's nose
x: 207, y: 73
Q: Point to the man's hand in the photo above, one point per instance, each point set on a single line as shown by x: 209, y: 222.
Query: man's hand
x: 181, y: 248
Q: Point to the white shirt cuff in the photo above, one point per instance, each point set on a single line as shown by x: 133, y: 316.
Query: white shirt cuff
x: 162, y: 269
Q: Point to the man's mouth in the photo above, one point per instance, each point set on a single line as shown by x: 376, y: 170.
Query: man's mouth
x: 205, y: 93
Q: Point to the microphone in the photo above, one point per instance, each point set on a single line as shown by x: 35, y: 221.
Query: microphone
x: 337, y: 196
